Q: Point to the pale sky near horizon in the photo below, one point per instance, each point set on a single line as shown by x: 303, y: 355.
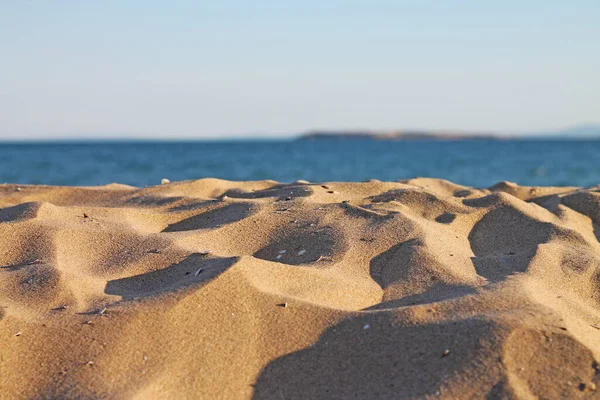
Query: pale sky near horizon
x: 111, y: 68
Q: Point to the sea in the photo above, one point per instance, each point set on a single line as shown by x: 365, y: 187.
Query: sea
x: 478, y: 163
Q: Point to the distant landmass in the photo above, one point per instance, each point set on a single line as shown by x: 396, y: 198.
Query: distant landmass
x: 579, y: 132
x: 398, y: 135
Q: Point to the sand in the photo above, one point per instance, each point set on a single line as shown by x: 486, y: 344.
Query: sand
x: 217, y: 289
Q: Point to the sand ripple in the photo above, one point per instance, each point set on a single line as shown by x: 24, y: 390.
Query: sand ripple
x: 218, y: 289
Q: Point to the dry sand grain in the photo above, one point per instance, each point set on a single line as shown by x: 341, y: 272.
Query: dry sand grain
x: 216, y: 289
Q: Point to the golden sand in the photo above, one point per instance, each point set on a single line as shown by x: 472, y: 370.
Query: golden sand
x: 216, y: 289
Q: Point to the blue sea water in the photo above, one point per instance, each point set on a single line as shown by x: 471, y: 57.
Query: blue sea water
x: 478, y: 163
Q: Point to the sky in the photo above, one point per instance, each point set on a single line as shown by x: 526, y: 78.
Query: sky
x: 200, y: 69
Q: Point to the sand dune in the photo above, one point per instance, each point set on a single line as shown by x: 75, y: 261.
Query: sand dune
x: 216, y: 289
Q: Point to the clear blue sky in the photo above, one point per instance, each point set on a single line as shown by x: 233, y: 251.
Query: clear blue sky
x: 199, y: 68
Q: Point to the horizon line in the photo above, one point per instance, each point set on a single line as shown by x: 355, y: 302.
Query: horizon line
x: 463, y: 133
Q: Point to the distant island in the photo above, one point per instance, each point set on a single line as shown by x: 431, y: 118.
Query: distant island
x: 398, y: 135
x: 582, y: 132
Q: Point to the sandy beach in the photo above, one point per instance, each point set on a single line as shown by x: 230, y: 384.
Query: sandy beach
x: 224, y: 290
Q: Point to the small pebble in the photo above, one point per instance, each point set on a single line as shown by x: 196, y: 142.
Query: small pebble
x: 367, y: 326
x: 164, y: 181
x: 446, y: 352
x: 198, y: 272
x: 18, y: 334
x: 282, y: 251
x: 204, y: 252
x: 301, y: 252
x: 591, y: 387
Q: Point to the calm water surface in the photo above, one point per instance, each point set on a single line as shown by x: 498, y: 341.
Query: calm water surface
x: 475, y: 163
